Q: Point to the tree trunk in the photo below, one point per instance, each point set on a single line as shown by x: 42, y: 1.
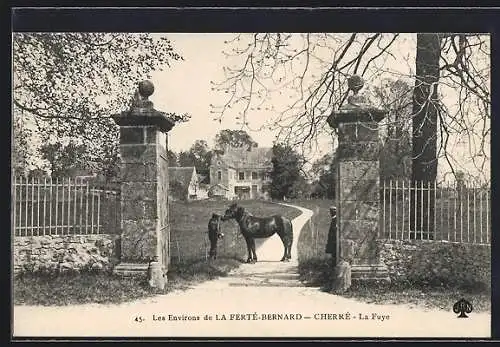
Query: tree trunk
x: 425, y: 114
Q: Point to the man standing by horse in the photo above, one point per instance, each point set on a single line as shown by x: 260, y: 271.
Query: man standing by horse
x: 214, y: 234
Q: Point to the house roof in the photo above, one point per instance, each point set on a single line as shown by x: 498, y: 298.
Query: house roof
x: 255, y: 157
x: 218, y: 185
x: 181, y: 174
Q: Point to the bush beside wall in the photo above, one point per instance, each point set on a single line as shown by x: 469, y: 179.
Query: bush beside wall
x: 434, y: 263
x: 65, y: 253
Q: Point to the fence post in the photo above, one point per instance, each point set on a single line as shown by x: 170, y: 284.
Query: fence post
x: 13, y: 202
x: 358, y: 196
x: 26, y: 206
x: 75, y: 203
x: 481, y: 215
x: 144, y: 188
x: 488, y: 215
x: 390, y: 208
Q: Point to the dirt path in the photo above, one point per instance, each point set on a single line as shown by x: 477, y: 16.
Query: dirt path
x: 256, y: 300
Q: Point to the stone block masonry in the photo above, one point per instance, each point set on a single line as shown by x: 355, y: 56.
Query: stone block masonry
x: 145, y: 230
x: 419, y: 262
x: 65, y: 253
x: 358, y: 185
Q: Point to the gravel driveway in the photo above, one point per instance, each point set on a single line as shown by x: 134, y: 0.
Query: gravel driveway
x: 265, y: 299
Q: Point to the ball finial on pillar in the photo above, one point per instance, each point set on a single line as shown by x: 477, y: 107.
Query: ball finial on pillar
x: 355, y: 83
x: 146, y: 89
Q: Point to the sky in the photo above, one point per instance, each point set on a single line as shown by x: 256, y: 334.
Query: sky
x: 185, y: 87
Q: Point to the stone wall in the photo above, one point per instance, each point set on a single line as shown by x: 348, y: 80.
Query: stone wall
x: 65, y: 253
x: 418, y: 262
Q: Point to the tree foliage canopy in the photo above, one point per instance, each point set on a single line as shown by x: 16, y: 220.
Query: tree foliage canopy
x: 285, y: 175
x: 199, y: 156
x: 68, y: 85
x: 233, y: 138
x: 325, y: 171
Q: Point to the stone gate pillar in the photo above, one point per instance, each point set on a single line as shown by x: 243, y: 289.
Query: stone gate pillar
x: 358, y: 182
x: 144, y: 189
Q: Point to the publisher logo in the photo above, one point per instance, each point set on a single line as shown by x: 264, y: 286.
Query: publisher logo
x: 461, y: 307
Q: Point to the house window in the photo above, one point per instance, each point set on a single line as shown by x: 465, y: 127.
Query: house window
x: 241, y: 176
x: 254, y: 175
x: 219, y: 175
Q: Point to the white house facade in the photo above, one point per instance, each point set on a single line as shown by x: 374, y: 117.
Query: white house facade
x: 241, y: 173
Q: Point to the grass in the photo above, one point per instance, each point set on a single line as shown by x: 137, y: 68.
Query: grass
x: 102, y: 288
x: 419, y: 297
x: 315, y: 270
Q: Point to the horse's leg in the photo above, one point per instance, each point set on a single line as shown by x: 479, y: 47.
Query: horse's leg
x: 280, y: 234
x: 283, y: 240
x: 289, y: 233
x: 286, y: 236
x: 248, y: 240
x: 289, y: 239
x: 252, y: 245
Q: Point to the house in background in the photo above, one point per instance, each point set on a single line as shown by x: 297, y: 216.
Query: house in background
x: 203, y: 187
x: 218, y: 191
x: 183, y: 183
x: 241, y: 173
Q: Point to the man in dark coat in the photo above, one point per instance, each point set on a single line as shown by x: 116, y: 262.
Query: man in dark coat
x: 214, y: 233
x: 331, y: 244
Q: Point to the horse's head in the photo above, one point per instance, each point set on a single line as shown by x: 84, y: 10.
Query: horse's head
x: 233, y: 212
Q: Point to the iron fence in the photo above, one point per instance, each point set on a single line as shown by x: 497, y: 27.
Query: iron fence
x: 431, y: 211
x: 63, y: 206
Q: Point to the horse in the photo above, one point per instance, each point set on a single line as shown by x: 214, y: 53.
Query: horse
x: 214, y: 234
x: 261, y: 227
